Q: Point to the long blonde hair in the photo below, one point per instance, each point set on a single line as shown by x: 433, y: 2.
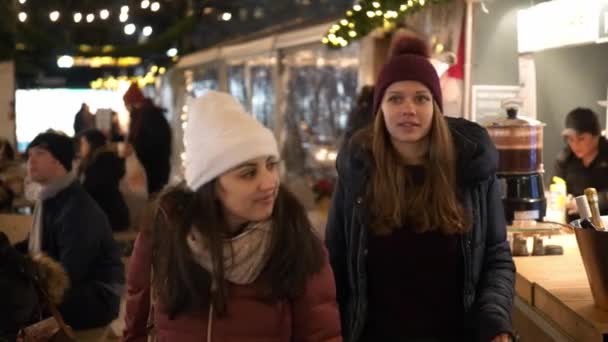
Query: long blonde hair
x: 432, y: 205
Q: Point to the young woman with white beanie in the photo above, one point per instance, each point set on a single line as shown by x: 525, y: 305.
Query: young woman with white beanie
x: 232, y: 254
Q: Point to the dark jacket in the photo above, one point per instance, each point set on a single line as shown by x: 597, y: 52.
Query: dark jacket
x: 76, y: 233
x: 101, y: 179
x: 578, y: 177
x: 150, y: 135
x: 18, y: 295
x: 489, y: 272
x: 311, y: 317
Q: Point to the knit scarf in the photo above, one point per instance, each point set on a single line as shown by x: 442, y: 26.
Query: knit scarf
x: 244, y: 256
x: 48, y: 191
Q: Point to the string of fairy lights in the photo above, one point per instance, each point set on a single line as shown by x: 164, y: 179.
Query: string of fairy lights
x: 368, y: 15
x: 103, y: 14
x: 123, y: 15
x: 189, y: 81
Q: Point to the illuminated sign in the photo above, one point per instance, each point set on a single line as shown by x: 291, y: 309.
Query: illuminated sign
x: 559, y: 23
x: 105, y: 61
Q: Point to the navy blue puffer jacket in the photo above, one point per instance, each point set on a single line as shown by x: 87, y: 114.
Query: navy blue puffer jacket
x: 489, y: 272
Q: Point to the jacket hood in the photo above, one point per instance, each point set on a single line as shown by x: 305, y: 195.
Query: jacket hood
x: 477, y: 155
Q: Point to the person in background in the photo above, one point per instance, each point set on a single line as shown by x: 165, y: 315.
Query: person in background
x: 100, y: 172
x: 361, y: 114
x: 116, y: 134
x: 150, y: 136
x: 416, y: 233
x: 583, y: 163
x: 12, y: 175
x: 70, y: 228
x: 84, y: 119
x: 232, y: 254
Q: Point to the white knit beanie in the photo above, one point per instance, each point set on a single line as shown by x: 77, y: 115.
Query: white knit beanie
x: 220, y: 135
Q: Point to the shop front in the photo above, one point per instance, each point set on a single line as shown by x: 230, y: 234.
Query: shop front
x: 551, y: 56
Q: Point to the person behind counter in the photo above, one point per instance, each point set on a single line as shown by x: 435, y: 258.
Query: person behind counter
x: 584, y: 161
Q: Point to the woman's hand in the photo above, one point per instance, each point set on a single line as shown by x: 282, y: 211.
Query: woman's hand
x: 502, y: 338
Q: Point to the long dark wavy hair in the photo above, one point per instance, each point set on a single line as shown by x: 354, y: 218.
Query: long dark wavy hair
x: 183, y: 286
x: 432, y: 205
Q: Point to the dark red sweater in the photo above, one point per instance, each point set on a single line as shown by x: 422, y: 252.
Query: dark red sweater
x: 414, y: 286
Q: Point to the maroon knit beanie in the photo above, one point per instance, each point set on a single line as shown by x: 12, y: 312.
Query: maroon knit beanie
x: 409, y: 61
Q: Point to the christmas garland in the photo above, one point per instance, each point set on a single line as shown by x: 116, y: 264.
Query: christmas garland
x: 368, y: 15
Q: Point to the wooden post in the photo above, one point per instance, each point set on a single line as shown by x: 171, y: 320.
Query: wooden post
x: 372, y: 55
x: 8, y: 28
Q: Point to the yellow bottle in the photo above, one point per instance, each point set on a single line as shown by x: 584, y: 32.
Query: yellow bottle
x: 556, y: 201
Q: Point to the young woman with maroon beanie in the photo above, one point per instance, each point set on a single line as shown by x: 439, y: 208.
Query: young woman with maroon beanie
x: 416, y: 233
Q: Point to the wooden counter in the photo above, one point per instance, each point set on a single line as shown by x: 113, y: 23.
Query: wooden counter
x: 556, y: 288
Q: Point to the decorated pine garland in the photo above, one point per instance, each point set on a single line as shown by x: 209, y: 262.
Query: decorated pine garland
x: 368, y: 15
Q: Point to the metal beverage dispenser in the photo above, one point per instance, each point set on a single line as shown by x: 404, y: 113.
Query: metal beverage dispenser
x: 519, y: 141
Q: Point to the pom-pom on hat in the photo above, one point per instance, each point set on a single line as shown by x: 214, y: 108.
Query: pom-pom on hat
x: 409, y: 61
x: 220, y: 135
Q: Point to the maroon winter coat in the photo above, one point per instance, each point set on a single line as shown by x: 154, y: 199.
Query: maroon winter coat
x: 313, y: 317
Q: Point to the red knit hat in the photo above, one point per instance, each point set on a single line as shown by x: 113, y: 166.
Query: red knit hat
x: 409, y: 61
x: 133, y: 95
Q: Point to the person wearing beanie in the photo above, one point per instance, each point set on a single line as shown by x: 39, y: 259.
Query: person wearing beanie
x: 583, y: 163
x: 100, y: 172
x: 150, y: 137
x: 69, y: 227
x: 416, y: 232
x: 232, y: 253
x: 84, y: 119
x: 133, y: 97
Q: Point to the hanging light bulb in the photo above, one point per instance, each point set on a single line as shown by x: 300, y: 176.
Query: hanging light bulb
x: 22, y: 17
x: 155, y: 6
x: 130, y: 29
x: 226, y: 16
x: 172, y: 52
x: 54, y: 16
x: 123, y: 17
x: 147, y: 31
x: 77, y: 17
x: 22, y: 1
x: 145, y: 4
x: 104, y: 14
x: 90, y: 17
x: 124, y: 9
x: 65, y: 62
